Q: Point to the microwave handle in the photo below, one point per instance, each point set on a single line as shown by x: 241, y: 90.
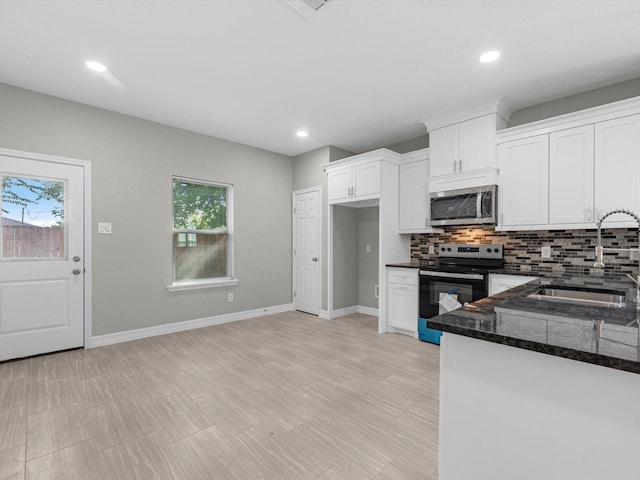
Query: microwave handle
x: 479, y: 205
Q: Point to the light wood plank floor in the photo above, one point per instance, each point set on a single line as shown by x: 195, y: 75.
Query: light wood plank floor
x: 285, y: 396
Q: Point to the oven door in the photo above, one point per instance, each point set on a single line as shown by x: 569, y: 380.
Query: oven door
x: 468, y: 287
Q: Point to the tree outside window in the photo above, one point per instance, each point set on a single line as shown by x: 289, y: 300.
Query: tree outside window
x: 201, y: 231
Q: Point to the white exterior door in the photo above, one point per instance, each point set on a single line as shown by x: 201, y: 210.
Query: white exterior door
x: 306, y: 253
x: 41, y: 257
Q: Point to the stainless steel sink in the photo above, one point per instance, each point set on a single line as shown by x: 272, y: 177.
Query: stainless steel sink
x: 599, y: 298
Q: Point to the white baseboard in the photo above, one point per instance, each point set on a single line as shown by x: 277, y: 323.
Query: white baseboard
x: 368, y: 310
x: 341, y: 312
x: 139, y: 333
x: 324, y: 314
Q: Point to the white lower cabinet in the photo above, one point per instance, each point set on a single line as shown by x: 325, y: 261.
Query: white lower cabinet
x: 499, y: 282
x: 402, y: 293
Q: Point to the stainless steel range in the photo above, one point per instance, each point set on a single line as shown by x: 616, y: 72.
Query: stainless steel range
x: 461, y: 271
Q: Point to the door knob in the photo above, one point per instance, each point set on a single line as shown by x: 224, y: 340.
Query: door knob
x: 76, y: 258
x: 315, y: 259
x: 77, y: 271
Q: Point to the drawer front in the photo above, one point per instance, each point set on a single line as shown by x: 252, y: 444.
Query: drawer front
x: 404, y: 276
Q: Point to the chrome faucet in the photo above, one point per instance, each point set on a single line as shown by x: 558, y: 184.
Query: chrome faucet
x: 600, y: 249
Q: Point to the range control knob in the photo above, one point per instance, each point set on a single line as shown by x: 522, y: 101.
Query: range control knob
x: 496, y: 250
x: 488, y: 250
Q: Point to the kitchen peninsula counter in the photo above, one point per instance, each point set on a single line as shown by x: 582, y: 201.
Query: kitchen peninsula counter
x: 534, y: 389
x: 601, y: 335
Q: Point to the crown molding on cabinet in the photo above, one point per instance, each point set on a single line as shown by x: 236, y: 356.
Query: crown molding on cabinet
x: 383, y: 154
x: 622, y: 108
x: 500, y: 107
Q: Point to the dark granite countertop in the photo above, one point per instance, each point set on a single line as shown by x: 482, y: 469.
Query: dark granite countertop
x: 593, y: 334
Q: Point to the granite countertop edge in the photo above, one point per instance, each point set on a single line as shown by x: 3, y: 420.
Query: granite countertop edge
x: 476, y: 320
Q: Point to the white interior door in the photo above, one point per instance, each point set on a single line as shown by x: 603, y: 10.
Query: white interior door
x: 41, y: 257
x: 306, y: 253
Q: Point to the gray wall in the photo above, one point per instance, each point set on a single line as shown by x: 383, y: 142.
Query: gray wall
x: 368, y: 234
x: 345, y: 256
x: 132, y: 164
x: 410, y: 145
x: 573, y: 103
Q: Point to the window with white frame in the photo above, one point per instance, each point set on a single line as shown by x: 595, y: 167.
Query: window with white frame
x: 202, y: 231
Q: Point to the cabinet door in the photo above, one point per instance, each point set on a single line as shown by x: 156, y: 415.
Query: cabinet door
x: 571, y: 176
x: 339, y: 184
x: 617, y: 158
x: 403, y: 306
x: 366, y: 179
x: 414, y: 196
x: 523, y: 187
x: 443, y: 150
x: 477, y: 143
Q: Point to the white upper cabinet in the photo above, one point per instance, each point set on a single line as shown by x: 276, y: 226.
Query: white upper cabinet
x: 523, y: 191
x: 350, y: 183
x: 443, y: 143
x: 571, y: 176
x: 340, y: 182
x: 413, y: 214
x: 463, y: 144
x: 593, y: 165
x: 617, y: 167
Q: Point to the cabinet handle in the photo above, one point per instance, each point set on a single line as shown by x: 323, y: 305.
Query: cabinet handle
x: 460, y: 165
x: 455, y: 167
x: 353, y: 191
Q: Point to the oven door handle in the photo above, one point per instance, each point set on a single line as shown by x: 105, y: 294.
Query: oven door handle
x: 468, y: 276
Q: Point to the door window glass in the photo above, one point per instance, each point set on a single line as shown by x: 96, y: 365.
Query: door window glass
x: 32, y: 218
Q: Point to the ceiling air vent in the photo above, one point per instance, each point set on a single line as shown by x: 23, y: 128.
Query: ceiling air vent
x: 305, y: 7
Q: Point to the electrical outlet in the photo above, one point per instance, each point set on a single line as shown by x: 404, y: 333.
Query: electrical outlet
x: 432, y: 250
x: 545, y: 252
x: 229, y: 297
x: 104, y: 228
x: 367, y: 248
x: 634, y: 254
x: 376, y: 291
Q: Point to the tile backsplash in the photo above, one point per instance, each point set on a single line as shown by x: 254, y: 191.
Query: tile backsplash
x: 572, y: 251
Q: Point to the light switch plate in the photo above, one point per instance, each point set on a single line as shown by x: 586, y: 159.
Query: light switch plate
x: 545, y: 252
x: 104, y: 228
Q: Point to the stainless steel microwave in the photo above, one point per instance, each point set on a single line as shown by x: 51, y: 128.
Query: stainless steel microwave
x: 468, y: 206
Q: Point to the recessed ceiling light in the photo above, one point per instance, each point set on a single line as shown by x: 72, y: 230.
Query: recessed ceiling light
x: 302, y: 133
x: 96, y: 66
x: 488, y: 57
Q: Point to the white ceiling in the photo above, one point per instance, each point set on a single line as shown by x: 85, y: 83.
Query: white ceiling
x: 358, y: 74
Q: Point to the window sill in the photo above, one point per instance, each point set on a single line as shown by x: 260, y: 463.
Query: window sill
x: 183, y: 286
